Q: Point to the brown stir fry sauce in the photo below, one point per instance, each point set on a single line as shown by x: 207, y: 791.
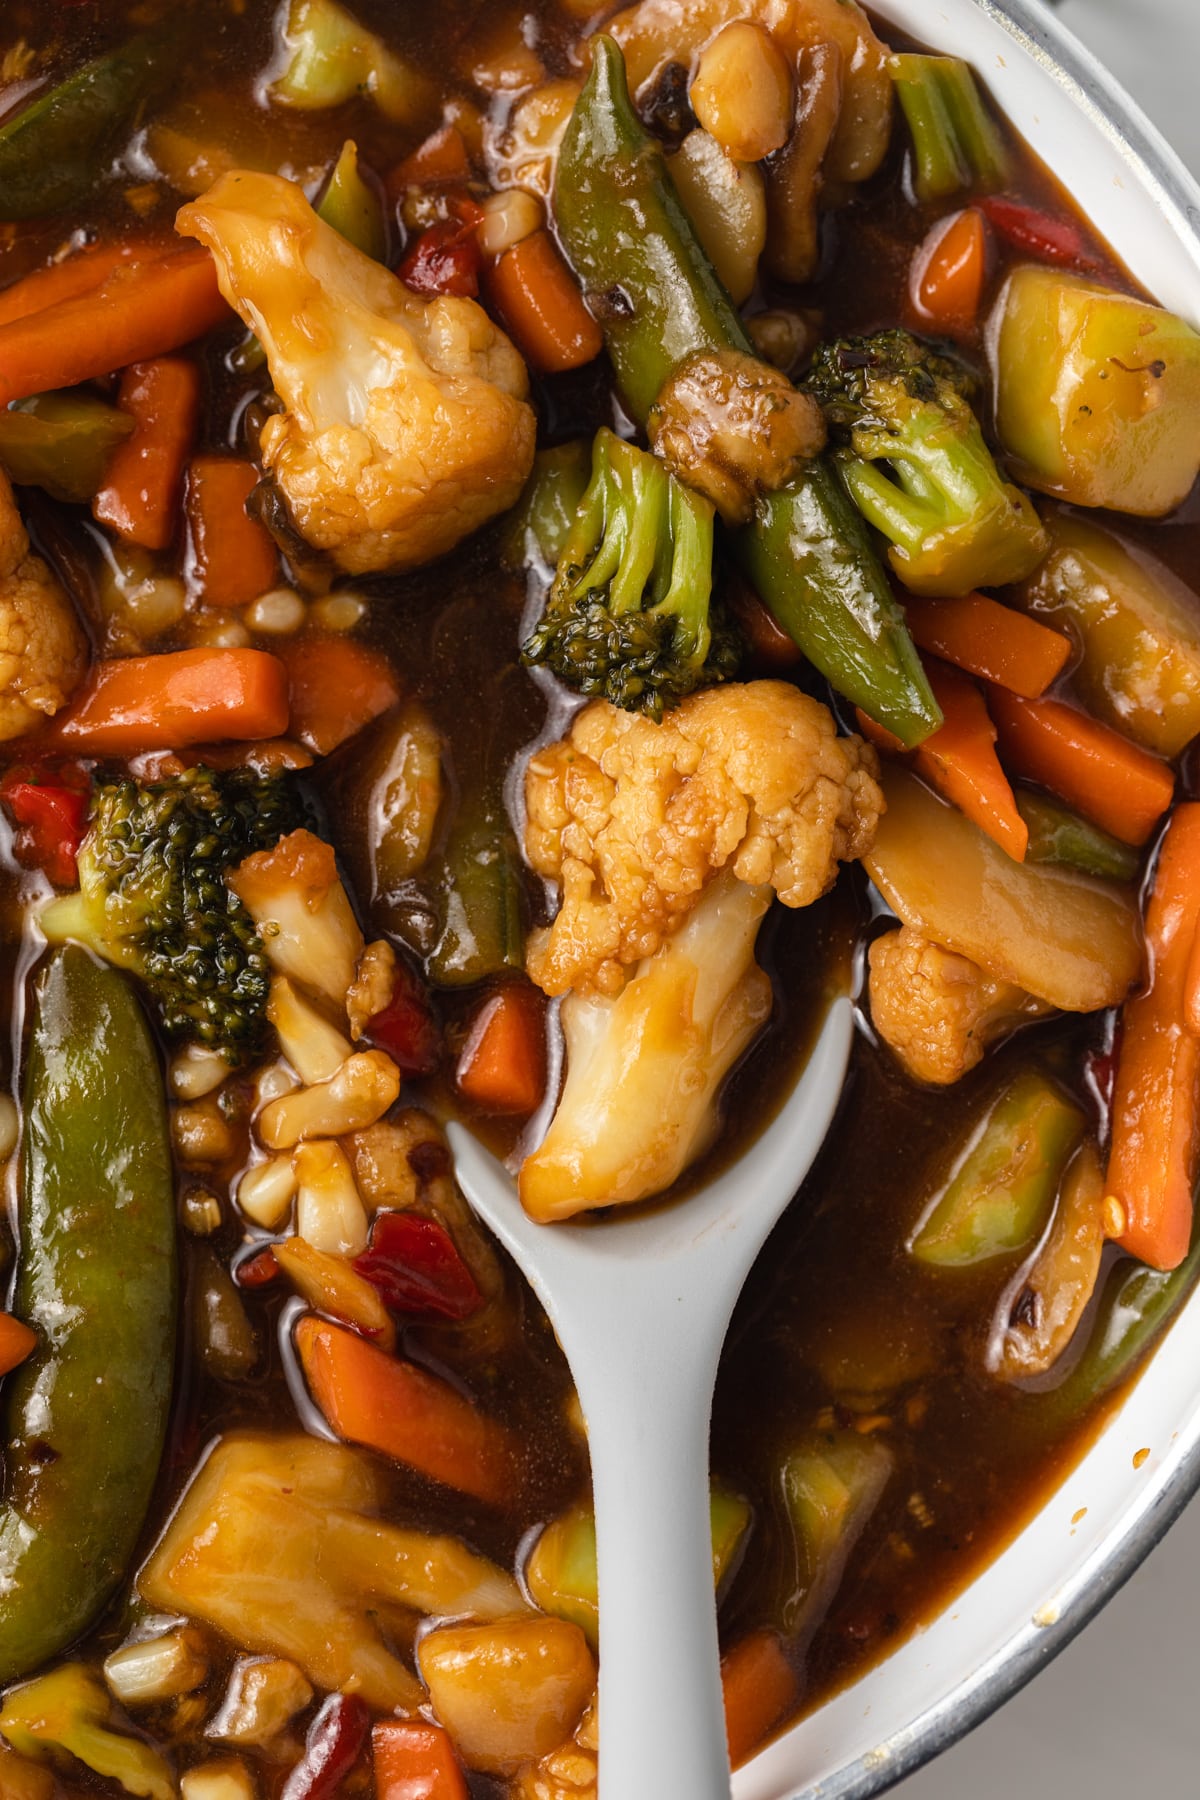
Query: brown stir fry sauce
x: 859, y: 1400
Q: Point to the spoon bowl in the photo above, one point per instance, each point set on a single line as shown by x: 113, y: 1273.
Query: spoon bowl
x: 640, y: 1303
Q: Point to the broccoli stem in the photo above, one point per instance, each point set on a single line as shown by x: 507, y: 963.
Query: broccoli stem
x: 956, y: 142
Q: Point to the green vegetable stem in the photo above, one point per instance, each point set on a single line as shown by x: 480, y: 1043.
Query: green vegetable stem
x: 482, y: 932
x: 655, y: 292
x: 1001, y: 1192
x: 956, y: 143
x: 53, y: 151
x: 1058, y: 835
x: 87, y: 1414
x: 61, y: 442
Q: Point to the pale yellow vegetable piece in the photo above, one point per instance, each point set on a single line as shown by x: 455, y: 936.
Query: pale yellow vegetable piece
x: 330, y: 1214
x: 295, y: 896
x: 360, y: 1092
x: 1138, y: 627
x: 1064, y: 936
x: 742, y: 94
x: 727, y: 203
x: 263, y: 1697
x: 315, y: 1048
x: 332, y: 1285
x: 239, y: 1554
x: 654, y: 1059
x: 1097, y: 393
x: 508, y: 1692
x: 1049, y: 1297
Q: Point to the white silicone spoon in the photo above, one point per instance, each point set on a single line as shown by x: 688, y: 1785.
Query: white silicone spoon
x: 641, y: 1305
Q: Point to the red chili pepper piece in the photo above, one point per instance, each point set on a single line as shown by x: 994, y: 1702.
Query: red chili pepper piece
x: 333, y: 1745
x: 446, y: 258
x: 53, y: 821
x: 256, y: 1271
x: 406, y: 1028
x: 1040, y: 234
x: 413, y: 1264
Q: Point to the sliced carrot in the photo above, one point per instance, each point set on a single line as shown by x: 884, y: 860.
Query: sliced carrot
x: 878, y: 734
x: 16, y: 1342
x: 1191, y: 997
x: 949, y: 272
x: 143, y: 478
x: 960, y: 761
x: 77, y: 275
x: 169, y: 701
x: 442, y: 158
x: 540, y: 304
x: 1093, y: 768
x: 415, y: 1761
x: 398, y: 1409
x: 140, y: 310
x: 767, y: 642
x: 1156, y: 1103
x: 996, y: 643
x: 760, y: 1688
x: 338, y: 685
x: 234, y: 557
x: 502, y: 1068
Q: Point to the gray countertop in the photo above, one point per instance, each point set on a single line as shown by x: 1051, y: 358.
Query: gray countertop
x: 1116, y: 1715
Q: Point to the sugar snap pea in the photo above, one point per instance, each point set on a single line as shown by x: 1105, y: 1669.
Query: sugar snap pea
x: 86, y: 1415
x: 654, y: 290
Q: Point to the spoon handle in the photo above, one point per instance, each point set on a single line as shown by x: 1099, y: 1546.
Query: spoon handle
x: 662, y: 1722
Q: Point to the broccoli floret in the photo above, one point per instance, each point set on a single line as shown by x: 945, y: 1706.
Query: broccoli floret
x: 153, y: 897
x: 953, y: 523
x: 630, y: 617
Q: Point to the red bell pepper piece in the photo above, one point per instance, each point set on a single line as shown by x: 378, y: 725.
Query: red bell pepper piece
x: 1040, y: 234
x: 52, y: 817
x: 413, y: 1264
x: 446, y: 258
x: 256, y: 1271
x: 333, y: 1745
x: 406, y: 1028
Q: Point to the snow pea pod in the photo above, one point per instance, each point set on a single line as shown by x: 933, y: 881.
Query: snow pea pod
x: 52, y: 151
x: 650, y: 284
x: 86, y: 1415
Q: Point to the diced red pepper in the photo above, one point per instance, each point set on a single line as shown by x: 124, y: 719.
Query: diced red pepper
x: 446, y: 258
x: 256, y: 1271
x: 1052, y: 240
x: 333, y: 1745
x: 413, y: 1264
x: 406, y: 1028
x: 52, y: 819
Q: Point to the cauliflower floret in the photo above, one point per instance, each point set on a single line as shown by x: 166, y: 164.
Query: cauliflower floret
x: 42, y: 648
x: 634, y: 819
x: 406, y: 425
x: 939, y: 1011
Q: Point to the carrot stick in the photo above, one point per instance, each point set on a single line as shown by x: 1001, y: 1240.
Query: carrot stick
x: 233, y: 556
x: 996, y: 643
x: 878, y: 734
x: 960, y: 761
x: 16, y: 1342
x: 169, y: 701
x: 442, y: 158
x: 1119, y: 787
x: 1191, y: 997
x: 949, y: 271
x: 415, y: 1761
x: 502, y: 1068
x: 398, y: 1409
x: 760, y: 1688
x: 77, y: 275
x: 338, y: 686
x: 140, y: 310
x: 143, y: 479
x: 1156, y: 1102
x: 539, y: 301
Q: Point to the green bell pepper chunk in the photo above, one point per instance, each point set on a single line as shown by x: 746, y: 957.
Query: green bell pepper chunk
x: 831, y: 1483
x: 1000, y: 1194
x: 52, y: 151
x: 352, y: 206
x: 658, y: 298
x: 482, y: 932
x: 86, y: 1415
x: 1058, y: 835
x: 61, y: 442
x: 561, y: 1571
